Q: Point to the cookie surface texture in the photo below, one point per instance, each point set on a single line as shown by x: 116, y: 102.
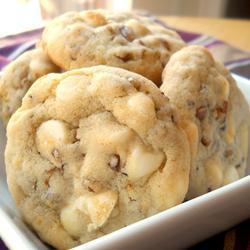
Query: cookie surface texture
x: 101, y: 37
x: 18, y: 76
x: 94, y: 150
x: 214, y: 114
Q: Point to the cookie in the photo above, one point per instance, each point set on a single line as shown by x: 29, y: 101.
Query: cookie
x: 214, y: 114
x: 93, y: 150
x: 101, y: 37
x: 18, y: 76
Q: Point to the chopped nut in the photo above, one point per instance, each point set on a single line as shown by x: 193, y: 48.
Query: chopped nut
x: 114, y: 162
x: 165, y: 44
x: 162, y: 165
x: 46, y: 182
x: 205, y: 141
x: 228, y: 153
x: 224, y: 107
x: 201, y: 113
x: 55, y: 153
x: 141, y: 43
x: 73, y: 57
x: 91, y: 190
x: 173, y: 118
x: 126, y: 57
x: 131, y: 199
x: 190, y: 103
x: 238, y: 165
x: 34, y: 186
x: 223, y: 128
x: 125, y: 32
x: 111, y: 30
x: 62, y: 169
x: 221, y: 110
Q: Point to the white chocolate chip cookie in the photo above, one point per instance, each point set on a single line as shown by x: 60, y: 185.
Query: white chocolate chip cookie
x: 101, y: 37
x: 93, y: 150
x: 214, y: 114
x: 18, y: 76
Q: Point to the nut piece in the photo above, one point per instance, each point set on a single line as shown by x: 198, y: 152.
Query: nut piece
x: 205, y: 141
x: 201, y: 113
x: 114, y: 162
x: 126, y: 33
x: 141, y: 162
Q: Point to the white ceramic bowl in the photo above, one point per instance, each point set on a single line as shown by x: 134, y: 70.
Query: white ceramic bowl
x: 178, y: 227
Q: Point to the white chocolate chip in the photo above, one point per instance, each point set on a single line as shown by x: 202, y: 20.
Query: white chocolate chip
x: 93, y: 209
x: 141, y: 162
x: 66, y: 91
x: 72, y: 220
x: 142, y: 105
x: 50, y: 136
x: 98, y: 207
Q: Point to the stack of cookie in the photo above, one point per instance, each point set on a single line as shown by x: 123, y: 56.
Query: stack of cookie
x: 95, y: 144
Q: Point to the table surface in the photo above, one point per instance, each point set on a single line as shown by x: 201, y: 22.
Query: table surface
x: 234, y: 31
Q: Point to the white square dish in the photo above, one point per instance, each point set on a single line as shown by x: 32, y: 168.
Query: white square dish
x: 178, y: 227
